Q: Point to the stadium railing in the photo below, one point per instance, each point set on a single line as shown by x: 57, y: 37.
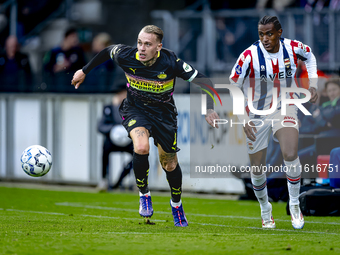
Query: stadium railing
x: 195, y: 37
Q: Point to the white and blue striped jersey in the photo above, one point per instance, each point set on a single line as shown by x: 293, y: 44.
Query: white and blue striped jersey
x: 260, y: 70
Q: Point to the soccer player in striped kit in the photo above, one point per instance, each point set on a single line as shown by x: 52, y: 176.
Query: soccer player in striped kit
x: 270, y: 63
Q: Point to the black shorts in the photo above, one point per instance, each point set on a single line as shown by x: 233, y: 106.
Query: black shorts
x: 158, y: 120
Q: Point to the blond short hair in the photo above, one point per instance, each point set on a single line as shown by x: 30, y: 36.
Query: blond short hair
x: 152, y: 29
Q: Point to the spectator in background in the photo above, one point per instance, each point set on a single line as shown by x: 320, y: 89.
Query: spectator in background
x: 101, y: 78
x: 225, y: 38
x: 67, y: 57
x: 325, y: 121
x: 63, y: 60
x: 233, y: 35
x: 15, y: 69
x: 100, y: 42
x: 116, y: 138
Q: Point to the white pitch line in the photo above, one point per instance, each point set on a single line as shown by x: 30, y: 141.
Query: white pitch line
x: 52, y: 213
x: 117, y: 218
x: 83, y: 215
x: 95, y: 207
x: 133, y: 233
x: 191, y: 214
x: 275, y: 229
x: 204, y: 224
x: 188, y: 234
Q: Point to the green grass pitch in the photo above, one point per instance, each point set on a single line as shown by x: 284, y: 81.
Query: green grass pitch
x: 35, y: 221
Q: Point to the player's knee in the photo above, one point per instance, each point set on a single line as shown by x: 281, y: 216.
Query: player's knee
x: 289, y: 156
x: 255, y: 162
x: 141, y: 149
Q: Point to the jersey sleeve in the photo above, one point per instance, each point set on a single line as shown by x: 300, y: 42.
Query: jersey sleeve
x: 304, y: 53
x: 185, y: 71
x: 115, y: 52
x: 241, y: 69
x: 99, y: 59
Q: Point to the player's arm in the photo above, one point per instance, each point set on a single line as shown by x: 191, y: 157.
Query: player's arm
x: 190, y: 74
x: 239, y: 73
x: 101, y: 57
x: 304, y: 53
x: 206, y: 85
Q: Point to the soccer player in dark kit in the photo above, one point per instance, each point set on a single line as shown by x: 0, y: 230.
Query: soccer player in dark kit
x: 149, y: 109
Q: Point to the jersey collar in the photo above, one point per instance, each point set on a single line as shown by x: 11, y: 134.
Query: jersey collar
x: 265, y: 52
x: 137, y: 55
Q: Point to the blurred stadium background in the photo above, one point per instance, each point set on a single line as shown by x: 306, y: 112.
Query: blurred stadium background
x: 43, y: 108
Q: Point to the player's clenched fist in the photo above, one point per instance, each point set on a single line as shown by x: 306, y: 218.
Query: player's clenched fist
x: 78, y: 78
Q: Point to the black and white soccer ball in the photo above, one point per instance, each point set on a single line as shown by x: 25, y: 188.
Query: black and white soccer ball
x: 36, y: 161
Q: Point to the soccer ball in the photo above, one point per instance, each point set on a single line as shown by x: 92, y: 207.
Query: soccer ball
x: 119, y: 136
x: 36, y: 161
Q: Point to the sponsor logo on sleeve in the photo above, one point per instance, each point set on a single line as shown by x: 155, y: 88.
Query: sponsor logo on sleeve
x: 238, y: 69
x: 132, y: 122
x: 187, y: 67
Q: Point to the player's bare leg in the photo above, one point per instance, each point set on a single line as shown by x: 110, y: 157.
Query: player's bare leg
x: 140, y: 138
x: 288, y: 138
x: 259, y: 181
x: 173, y: 172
